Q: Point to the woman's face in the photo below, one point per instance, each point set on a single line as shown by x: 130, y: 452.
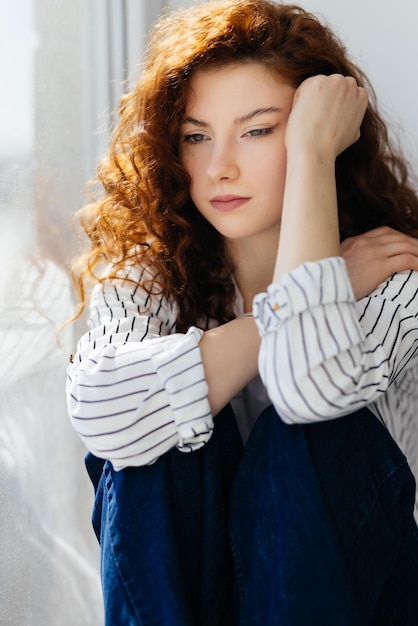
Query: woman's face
x: 232, y: 146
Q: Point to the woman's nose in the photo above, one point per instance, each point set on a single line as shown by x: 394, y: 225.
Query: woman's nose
x: 223, y: 162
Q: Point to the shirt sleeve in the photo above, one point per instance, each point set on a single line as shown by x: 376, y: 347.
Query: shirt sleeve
x: 135, y: 387
x: 323, y: 354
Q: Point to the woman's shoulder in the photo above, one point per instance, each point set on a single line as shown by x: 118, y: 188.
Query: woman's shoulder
x: 133, y: 287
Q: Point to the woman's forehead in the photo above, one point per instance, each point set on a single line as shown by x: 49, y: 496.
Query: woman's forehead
x: 240, y: 83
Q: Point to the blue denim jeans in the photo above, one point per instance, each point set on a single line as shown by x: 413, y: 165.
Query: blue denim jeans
x: 307, y: 526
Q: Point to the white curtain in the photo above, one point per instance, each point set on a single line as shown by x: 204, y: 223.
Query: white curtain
x: 49, y: 558
x: 64, y: 66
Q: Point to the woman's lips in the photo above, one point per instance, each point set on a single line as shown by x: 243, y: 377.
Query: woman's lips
x: 228, y: 203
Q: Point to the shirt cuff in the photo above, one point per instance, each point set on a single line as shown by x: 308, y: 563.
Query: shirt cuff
x: 181, y: 371
x: 310, y: 285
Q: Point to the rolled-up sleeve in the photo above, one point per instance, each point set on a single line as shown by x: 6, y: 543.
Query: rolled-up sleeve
x: 135, y: 387
x: 323, y: 354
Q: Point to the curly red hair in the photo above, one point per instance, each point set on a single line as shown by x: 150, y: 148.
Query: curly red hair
x: 146, y: 212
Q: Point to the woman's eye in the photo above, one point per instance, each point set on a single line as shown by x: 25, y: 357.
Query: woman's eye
x: 259, y: 132
x: 194, y: 138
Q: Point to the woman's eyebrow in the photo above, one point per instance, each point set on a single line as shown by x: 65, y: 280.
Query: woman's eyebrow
x: 191, y: 120
x: 239, y: 120
x: 252, y: 114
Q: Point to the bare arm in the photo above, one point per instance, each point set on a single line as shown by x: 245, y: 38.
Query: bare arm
x: 325, y: 120
x: 229, y: 355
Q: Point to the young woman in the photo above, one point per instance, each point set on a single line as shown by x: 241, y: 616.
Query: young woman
x: 255, y: 267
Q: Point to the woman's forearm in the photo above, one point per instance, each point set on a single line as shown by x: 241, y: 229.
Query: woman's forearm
x: 309, y: 227
x: 230, y: 355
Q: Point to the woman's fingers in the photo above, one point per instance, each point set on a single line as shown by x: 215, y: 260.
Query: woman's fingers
x: 374, y: 256
x: 327, y: 114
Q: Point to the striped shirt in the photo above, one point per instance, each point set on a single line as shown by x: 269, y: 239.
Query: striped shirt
x: 136, y: 388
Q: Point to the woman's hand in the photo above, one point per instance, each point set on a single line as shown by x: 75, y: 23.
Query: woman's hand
x: 374, y: 256
x: 326, y: 115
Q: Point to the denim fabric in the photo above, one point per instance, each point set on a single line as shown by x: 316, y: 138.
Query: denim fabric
x: 322, y: 526
x: 164, y: 546
x: 321, y: 531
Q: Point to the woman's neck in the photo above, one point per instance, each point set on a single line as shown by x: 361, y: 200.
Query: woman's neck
x: 253, y: 260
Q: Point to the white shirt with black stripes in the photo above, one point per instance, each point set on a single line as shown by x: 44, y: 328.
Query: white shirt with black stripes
x: 136, y: 388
